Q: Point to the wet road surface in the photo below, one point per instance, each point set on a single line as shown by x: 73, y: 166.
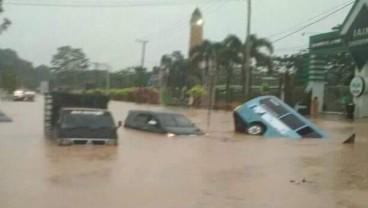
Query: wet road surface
x: 223, y: 169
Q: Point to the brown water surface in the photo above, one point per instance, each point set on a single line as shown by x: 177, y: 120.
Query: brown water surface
x: 222, y: 169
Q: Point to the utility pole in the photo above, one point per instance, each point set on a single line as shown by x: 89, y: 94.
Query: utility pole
x: 143, y: 42
x: 107, y: 77
x: 248, y: 46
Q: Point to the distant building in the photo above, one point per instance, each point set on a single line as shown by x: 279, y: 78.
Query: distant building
x: 196, y: 29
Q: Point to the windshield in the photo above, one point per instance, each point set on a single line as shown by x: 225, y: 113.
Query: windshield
x: 175, y: 120
x: 89, y: 119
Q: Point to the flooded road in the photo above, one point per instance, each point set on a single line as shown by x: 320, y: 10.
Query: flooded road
x: 146, y: 170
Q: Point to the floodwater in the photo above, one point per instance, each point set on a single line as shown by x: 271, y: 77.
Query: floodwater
x: 223, y: 169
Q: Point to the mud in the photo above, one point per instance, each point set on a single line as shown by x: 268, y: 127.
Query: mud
x: 222, y: 169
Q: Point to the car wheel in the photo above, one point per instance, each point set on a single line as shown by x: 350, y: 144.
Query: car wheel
x: 255, y: 129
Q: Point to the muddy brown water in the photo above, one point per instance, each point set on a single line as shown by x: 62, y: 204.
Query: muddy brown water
x: 223, y: 169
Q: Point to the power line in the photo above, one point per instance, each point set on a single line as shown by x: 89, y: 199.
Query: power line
x: 312, y: 23
x: 312, y: 18
x: 183, y: 26
x: 99, y: 5
x: 181, y: 23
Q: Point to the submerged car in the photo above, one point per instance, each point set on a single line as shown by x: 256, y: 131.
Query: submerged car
x: 85, y: 125
x: 18, y: 95
x: 22, y: 95
x: 29, y: 95
x: 271, y: 117
x: 4, y: 118
x: 170, y: 123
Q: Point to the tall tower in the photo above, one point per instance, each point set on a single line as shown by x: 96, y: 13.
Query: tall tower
x: 196, y: 29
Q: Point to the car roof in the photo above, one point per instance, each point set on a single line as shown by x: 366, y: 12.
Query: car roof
x: 85, y: 109
x: 155, y: 112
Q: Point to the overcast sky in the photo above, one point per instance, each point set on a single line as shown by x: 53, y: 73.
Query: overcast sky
x: 109, y: 34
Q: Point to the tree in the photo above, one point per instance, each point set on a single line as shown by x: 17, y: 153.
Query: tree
x: 262, y: 59
x: 340, y: 69
x: 201, y: 56
x: 209, y: 53
x: 6, y: 22
x: 27, y: 76
x: 66, y: 64
x: 69, y: 59
x: 261, y: 50
x: 175, y: 72
x: 231, y: 57
x: 9, y: 80
x: 141, y: 76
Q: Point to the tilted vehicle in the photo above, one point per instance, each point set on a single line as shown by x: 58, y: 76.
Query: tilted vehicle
x: 23, y: 95
x: 4, y: 118
x: 18, y: 95
x: 170, y: 123
x: 29, y: 96
x: 79, y: 119
x: 271, y: 117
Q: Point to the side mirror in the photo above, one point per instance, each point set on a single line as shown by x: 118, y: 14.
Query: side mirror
x: 120, y: 124
x: 152, y: 123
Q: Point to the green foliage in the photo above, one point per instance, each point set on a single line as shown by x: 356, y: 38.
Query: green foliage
x: 6, y: 22
x: 131, y: 94
x: 146, y: 95
x: 69, y: 59
x: 96, y: 92
x: 196, y: 91
x: 130, y: 77
x: 176, y: 70
x: 140, y: 76
x: 125, y: 94
x: 9, y: 80
x: 265, y: 88
x: 27, y: 76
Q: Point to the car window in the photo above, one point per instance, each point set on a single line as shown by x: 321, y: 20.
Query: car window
x: 143, y: 119
x: 175, y: 120
x: 73, y: 119
x: 292, y: 121
x: 308, y: 132
x: 273, y: 107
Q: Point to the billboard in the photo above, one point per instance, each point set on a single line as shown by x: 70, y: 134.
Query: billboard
x: 355, y: 33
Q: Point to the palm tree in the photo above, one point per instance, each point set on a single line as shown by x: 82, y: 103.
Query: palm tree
x: 261, y: 57
x: 174, y: 72
x: 230, y: 58
x: 210, y: 54
x: 202, y: 53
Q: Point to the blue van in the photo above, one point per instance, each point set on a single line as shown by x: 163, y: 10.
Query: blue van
x: 271, y: 117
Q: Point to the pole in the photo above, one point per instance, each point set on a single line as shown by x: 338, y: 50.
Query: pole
x: 162, y: 85
x: 247, y: 60
x: 107, y: 77
x: 143, y: 42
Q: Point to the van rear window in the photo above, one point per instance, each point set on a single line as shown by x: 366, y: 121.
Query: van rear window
x: 273, y: 107
x: 292, y: 121
x: 308, y: 132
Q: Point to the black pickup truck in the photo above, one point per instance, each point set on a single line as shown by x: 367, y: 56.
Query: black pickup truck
x: 79, y: 119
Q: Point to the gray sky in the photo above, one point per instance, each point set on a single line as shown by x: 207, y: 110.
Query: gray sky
x: 109, y: 34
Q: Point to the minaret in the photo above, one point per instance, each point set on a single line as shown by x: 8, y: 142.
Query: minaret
x: 196, y: 29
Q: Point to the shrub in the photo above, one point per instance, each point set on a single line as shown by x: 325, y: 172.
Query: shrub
x: 196, y: 91
x: 125, y: 94
x: 96, y: 92
x: 146, y: 95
